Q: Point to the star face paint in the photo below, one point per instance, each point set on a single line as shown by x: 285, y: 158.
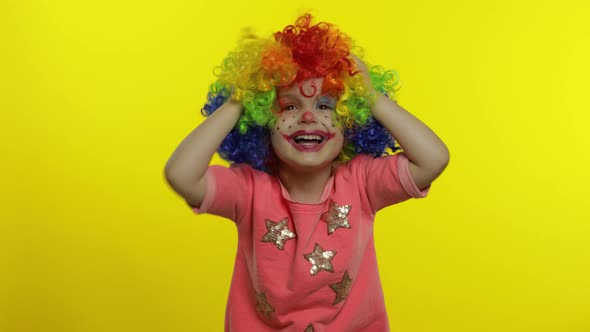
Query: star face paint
x: 305, y: 134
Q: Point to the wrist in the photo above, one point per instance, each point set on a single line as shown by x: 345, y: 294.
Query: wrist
x: 233, y: 106
x: 382, y: 103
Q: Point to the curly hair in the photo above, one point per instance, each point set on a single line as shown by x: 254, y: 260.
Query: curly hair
x: 252, y: 73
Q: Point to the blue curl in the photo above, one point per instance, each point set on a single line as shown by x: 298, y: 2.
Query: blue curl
x: 252, y: 147
x: 371, y: 138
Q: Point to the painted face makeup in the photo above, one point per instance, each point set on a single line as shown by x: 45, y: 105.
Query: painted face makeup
x: 305, y: 133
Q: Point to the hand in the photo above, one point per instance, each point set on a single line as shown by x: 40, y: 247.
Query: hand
x: 362, y: 68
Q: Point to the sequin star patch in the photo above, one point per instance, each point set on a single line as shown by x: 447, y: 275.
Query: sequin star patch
x: 320, y: 260
x: 341, y: 288
x: 336, y: 216
x: 277, y: 233
x: 262, y: 305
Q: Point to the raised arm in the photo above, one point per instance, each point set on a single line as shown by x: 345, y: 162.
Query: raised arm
x: 427, y: 153
x: 186, y: 167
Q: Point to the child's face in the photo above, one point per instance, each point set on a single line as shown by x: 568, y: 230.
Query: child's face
x: 305, y: 136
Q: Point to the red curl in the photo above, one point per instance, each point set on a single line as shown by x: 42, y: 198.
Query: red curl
x: 319, y: 50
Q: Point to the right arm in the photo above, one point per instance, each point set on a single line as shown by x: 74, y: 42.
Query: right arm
x: 185, y: 170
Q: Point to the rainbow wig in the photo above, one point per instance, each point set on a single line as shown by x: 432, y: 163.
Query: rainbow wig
x: 252, y: 73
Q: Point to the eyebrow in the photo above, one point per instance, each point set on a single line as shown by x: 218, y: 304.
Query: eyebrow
x: 327, y: 99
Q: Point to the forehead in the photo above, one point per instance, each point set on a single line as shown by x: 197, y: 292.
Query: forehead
x: 311, y: 88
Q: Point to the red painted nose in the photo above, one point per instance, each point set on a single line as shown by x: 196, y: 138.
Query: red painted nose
x: 308, y: 117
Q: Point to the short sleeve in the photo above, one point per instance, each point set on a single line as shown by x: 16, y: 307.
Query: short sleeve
x: 228, y: 192
x: 388, y: 181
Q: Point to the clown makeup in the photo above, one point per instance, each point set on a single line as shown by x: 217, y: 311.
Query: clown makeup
x: 305, y: 134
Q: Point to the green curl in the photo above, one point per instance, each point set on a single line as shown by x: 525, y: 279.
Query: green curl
x: 360, y: 109
x: 384, y: 81
x: 257, y: 110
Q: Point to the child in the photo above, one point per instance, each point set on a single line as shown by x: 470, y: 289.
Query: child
x: 307, y: 127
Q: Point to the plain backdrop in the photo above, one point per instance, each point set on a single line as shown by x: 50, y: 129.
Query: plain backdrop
x: 96, y: 95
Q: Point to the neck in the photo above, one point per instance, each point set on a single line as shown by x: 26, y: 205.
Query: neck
x: 305, y: 186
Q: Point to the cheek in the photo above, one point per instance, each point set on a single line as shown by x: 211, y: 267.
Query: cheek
x: 339, y: 131
x: 276, y: 135
x: 283, y: 125
x: 339, y: 139
x: 330, y: 121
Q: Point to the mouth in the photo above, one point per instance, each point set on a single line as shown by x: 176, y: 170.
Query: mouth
x: 308, y: 141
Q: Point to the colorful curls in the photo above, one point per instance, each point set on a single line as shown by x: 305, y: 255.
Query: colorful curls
x: 252, y: 73
x: 319, y: 50
x: 385, y: 81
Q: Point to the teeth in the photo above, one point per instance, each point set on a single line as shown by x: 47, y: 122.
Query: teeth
x: 309, y: 137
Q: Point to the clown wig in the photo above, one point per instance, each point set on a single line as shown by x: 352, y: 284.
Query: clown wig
x: 253, y: 72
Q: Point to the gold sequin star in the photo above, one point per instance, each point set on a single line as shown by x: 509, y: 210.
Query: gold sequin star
x: 262, y: 305
x: 341, y: 288
x: 277, y: 233
x: 320, y: 260
x: 309, y: 328
x: 336, y: 217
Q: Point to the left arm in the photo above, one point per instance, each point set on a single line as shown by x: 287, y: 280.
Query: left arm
x: 427, y: 153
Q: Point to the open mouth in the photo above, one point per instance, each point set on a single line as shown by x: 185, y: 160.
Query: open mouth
x: 308, y: 140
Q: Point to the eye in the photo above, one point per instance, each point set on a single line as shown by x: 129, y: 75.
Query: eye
x: 325, y: 107
x: 289, y: 107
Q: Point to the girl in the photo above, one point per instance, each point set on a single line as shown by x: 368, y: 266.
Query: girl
x: 307, y: 128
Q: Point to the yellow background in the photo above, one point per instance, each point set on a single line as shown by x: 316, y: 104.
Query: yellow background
x: 95, y: 96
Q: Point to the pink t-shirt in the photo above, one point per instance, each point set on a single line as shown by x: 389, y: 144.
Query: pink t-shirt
x: 307, y: 267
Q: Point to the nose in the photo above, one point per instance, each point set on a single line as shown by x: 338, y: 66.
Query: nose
x: 307, y: 117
